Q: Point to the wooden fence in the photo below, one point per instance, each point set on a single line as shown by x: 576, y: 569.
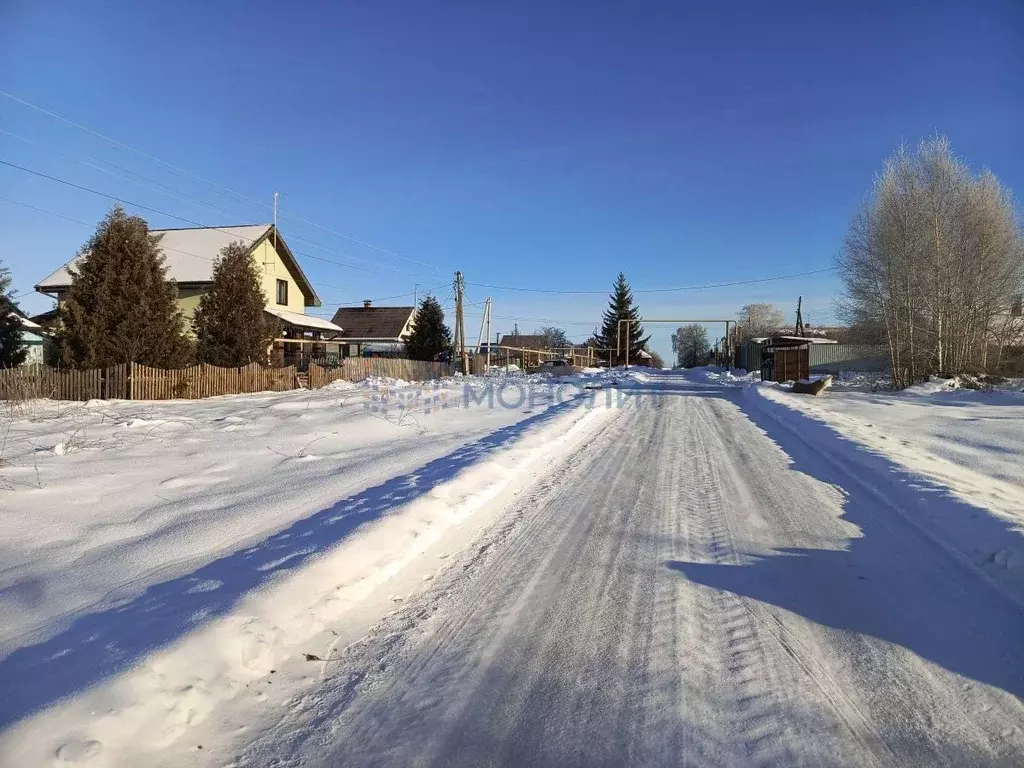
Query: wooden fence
x: 41, y: 382
x: 138, y: 382
x: 359, y: 368
x: 131, y: 381
x: 199, y: 381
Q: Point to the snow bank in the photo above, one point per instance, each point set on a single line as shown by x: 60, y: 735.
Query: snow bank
x: 157, y: 662
x: 967, y: 443
x: 105, y: 504
x: 713, y: 374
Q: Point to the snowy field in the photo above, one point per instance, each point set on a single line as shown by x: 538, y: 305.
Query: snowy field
x: 126, y: 526
x: 642, y: 568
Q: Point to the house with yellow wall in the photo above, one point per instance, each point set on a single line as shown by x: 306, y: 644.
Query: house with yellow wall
x: 189, y: 256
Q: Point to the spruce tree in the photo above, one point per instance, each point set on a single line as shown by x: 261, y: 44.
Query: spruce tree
x: 121, y: 307
x: 621, y: 307
x: 430, y: 336
x: 12, y: 351
x: 232, y: 328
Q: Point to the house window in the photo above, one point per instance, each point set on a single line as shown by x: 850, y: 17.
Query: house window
x: 282, y: 292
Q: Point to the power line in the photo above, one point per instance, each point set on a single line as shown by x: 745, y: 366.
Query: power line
x: 165, y: 189
x: 386, y: 298
x: 177, y: 170
x: 162, y: 247
x: 659, y: 290
x: 169, y: 215
x: 43, y: 210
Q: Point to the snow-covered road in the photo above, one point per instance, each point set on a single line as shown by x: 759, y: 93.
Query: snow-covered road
x: 713, y: 579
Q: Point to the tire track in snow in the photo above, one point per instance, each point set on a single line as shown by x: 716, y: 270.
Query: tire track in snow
x: 570, y: 636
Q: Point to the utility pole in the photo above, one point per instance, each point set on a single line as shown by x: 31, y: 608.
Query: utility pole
x: 415, y: 293
x: 460, y: 325
x: 487, y: 316
x: 480, y: 336
x: 799, y: 317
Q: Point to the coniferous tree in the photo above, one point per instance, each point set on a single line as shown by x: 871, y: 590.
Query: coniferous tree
x: 12, y: 351
x: 430, y: 336
x: 232, y: 328
x: 121, y: 307
x: 621, y: 307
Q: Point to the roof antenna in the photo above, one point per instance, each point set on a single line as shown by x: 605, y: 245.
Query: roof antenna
x: 275, y: 221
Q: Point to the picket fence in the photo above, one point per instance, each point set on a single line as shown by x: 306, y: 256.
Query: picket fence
x: 199, y: 381
x: 131, y: 381
x: 360, y: 368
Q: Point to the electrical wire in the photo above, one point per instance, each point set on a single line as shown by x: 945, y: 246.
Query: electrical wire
x: 658, y: 290
x: 164, y: 189
x: 169, y: 215
x: 162, y: 247
x: 181, y: 172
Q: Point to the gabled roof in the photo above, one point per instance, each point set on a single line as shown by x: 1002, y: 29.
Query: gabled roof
x: 373, y: 323
x: 189, y: 255
x: 524, y: 341
x: 27, y: 324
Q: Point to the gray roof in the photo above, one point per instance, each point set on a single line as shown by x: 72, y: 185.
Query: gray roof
x: 377, y: 323
x: 524, y: 341
x: 189, y: 255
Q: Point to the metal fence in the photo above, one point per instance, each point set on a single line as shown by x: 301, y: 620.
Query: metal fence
x: 835, y: 358
x: 825, y: 358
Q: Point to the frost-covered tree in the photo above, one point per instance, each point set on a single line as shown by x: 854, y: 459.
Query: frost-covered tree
x: 760, y: 320
x: 691, y: 345
x: 554, y: 337
x: 935, y: 259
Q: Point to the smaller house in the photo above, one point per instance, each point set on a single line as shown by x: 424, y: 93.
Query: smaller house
x: 32, y: 336
x: 374, y: 331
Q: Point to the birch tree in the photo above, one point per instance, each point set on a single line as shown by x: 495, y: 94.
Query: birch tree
x: 934, y: 258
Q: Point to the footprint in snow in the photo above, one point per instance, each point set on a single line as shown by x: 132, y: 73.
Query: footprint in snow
x: 78, y: 751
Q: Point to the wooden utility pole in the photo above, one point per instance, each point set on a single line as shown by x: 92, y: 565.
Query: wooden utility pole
x: 487, y: 317
x: 799, y: 317
x: 460, y: 325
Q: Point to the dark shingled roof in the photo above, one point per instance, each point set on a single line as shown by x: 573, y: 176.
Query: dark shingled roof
x: 523, y: 341
x: 372, y: 322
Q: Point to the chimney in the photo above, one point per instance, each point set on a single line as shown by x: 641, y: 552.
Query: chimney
x: 367, y: 303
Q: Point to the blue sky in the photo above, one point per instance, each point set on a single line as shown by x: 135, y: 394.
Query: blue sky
x: 530, y: 144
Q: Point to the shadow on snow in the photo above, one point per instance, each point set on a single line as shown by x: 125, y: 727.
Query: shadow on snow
x: 930, y: 603
x: 97, y: 646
